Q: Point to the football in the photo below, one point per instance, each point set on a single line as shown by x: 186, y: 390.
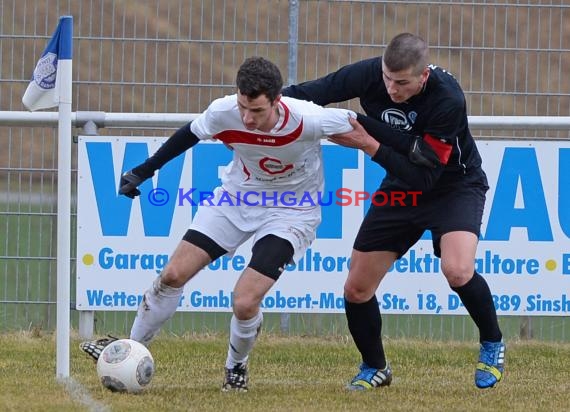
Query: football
x: 125, y: 365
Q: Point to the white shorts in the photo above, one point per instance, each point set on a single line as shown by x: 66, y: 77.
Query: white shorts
x: 230, y: 226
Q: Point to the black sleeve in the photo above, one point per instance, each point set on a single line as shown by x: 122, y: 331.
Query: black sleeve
x: 182, y: 140
x: 417, y: 176
x: 346, y: 83
x: 385, y: 135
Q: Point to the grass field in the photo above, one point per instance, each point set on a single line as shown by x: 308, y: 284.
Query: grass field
x: 288, y: 374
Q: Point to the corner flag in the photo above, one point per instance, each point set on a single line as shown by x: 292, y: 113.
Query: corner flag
x: 50, y: 87
x: 43, y: 92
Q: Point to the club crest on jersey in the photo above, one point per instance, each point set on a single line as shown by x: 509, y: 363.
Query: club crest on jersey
x: 273, y: 166
x: 396, y: 119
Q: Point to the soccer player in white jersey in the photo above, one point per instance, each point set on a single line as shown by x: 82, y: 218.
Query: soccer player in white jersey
x: 276, y: 150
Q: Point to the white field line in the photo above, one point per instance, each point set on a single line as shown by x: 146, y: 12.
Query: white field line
x: 79, y: 394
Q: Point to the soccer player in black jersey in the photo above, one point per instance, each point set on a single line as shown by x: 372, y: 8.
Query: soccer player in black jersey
x: 417, y: 130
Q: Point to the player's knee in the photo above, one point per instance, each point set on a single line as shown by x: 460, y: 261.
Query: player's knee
x: 355, y: 294
x: 457, y: 273
x: 172, y: 276
x: 244, y: 307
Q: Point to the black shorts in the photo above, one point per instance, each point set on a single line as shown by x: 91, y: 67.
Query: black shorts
x: 396, y: 228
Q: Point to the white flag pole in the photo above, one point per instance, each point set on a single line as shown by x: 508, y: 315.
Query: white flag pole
x: 49, y: 87
x: 64, y: 200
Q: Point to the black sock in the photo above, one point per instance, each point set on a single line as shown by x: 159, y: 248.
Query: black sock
x: 477, y: 298
x: 365, y: 325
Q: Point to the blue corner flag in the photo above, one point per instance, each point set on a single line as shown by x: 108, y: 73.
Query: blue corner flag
x: 43, y: 92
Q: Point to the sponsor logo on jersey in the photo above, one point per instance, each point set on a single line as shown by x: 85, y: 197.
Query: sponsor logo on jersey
x: 274, y: 166
x: 396, y: 119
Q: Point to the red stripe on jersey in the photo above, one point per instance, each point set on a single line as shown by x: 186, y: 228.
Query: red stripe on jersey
x: 240, y: 136
x: 285, y: 115
x: 442, y: 149
x: 247, y: 173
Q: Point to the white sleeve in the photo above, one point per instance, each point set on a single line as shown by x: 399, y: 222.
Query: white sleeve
x: 202, y: 126
x: 335, y: 121
x: 217, y: 117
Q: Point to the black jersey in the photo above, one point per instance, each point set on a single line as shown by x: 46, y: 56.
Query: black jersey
x: 438, y: 110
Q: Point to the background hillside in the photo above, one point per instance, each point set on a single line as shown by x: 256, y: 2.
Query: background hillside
x: 148, y: 50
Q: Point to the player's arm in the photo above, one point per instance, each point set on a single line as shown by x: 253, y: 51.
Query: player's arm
x: 346, y: 83
x: 182, y: 140
x: 420, y: 169
x: 386, y: 135
x: 418, y: 161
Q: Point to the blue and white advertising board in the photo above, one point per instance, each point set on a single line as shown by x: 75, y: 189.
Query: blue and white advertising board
x: 122, y: 244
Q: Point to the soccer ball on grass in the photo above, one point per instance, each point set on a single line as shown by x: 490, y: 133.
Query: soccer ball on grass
x: 125, y: 365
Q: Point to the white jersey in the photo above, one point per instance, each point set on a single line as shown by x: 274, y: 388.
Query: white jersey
x: 288, y: 159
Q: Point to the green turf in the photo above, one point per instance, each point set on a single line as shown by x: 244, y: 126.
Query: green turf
x: 288, y: 374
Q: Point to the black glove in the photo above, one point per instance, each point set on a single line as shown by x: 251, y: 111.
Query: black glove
x: 422, y: 154
x: 131, y: 179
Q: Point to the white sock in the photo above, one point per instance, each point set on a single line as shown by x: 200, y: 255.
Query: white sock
x: 158, y: 305
x: 242, y: 338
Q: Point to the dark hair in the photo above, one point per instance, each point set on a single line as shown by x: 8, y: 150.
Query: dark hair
x: 257, y: 76
x: 404, y: 51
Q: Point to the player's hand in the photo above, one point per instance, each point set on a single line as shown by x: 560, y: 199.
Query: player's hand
x: 357, y: 138
x: 129, y: 183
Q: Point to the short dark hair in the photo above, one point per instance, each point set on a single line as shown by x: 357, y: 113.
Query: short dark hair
x: 257, y: 76
x: 404, y: 51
